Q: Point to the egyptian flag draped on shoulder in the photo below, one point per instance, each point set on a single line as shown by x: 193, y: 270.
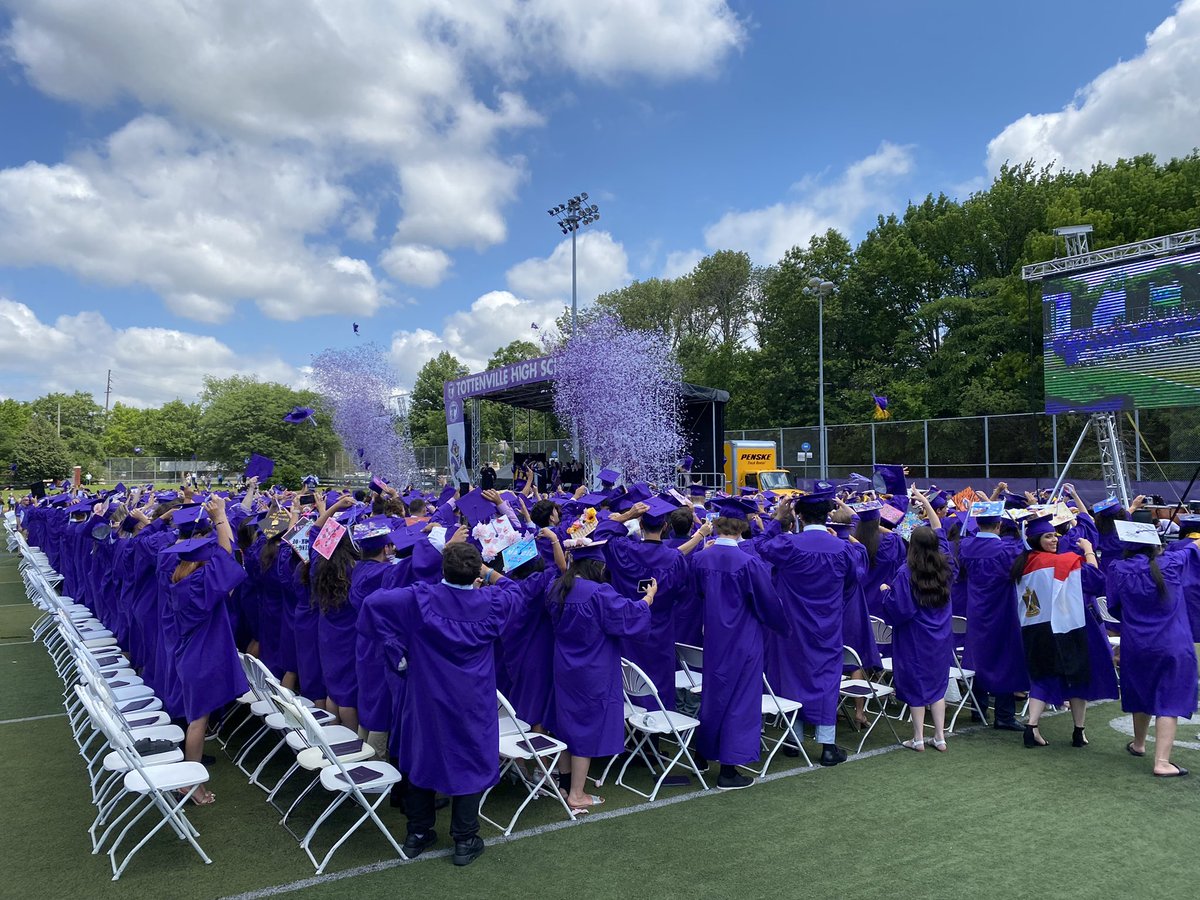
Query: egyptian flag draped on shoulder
x: 1051, y: 608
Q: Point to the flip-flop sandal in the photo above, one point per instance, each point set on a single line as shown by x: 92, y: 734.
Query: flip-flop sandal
x: 918, y: 746
x: 594, y: 801
x: 1129, y: 749
x: 1179, y: 773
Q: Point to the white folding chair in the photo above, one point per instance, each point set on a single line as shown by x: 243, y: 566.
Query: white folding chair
x: 166, y: 787
x: 882, y: 632
x: 517, y: 745
x: 852, y: 689
x: 1107, y: 619
x: 785, y: 712
x: 689, y: 676
x: 351, y: 782
x: 964, y: 676
x: 659, y: 722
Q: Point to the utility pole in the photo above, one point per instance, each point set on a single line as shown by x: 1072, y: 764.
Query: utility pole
x: 107, y: 391
x: 59, y: 426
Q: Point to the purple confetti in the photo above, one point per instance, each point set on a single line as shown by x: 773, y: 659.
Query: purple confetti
x: 621, y: 389
x: 358, y: 384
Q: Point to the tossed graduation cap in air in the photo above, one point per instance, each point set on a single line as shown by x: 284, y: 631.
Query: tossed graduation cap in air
x: 260, y: 466
x: 889, y: 479
x: 355, y: 327
x: 300, y: 414
x: 881, y: 407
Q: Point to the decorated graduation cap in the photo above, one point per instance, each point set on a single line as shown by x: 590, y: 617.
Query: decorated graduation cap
x: 476, y: 508
x: 890, y: 515
x: 1061, y: 515
x: 259, y: 467
x: 987, y: 512
x: 608, y: 477
x: 372, y: 535
x: 516, y: 555
x: 1108, y: 507
x: 378, y: 484
x: 868, y: 511
x: 889, y: 479
x: 590, y: 550
x: 1137, y: 534
x: 194, y: 549
x: 276, y: 523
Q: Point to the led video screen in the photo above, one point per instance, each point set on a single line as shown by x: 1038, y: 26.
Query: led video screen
x: 1126, y: 336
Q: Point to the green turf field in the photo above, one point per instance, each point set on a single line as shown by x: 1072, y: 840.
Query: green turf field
x: 1145, y: 383
x: 987, y: 819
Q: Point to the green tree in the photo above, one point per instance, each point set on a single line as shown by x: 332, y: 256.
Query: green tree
x: 40, y: 453
x: 14, y: 417
x: 171, y: 430
x: 240, y: 416
x: 427, y: 409
x: 125, y: 429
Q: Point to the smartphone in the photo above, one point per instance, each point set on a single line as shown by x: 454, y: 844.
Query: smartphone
x: 307, y: 499
x: 711, y: 516
x: 464, y: 488
x: 644, y: 585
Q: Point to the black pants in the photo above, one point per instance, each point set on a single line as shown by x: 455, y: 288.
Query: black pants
x: 464, y: 812
x: 1006, y: 705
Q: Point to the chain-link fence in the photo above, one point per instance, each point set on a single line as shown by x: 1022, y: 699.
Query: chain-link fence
x: 1160, y: 445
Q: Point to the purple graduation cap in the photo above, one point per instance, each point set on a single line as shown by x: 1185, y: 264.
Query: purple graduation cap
x: 378, y: 485
x: 656, y: 516
x: 300, y: 414
x: 137, y: 451
x: 447, y: 494
x: 1035, y: 527
x: 686, y: 463
x: 820, y: 499
x: 889, y: 479
x: 194, y: 549
x: 697, y: 490
x: 733, y: 507
x: 608, y: 477
x: 881, y: 407
x: 260, y: 466
x: 477, y: 508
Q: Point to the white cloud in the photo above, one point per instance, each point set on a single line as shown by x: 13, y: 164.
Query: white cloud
x: 768, y: 233
x: 681, y: 262
x: 203, y: 222
x: 1148, y: 104
x: 315, y: 93
x: 150, y: 365
x: 417, y: 264
x: 601, y: 265
x: 494, y: 320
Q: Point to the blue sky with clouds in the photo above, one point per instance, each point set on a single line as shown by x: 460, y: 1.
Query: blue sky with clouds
x: 225, y: 187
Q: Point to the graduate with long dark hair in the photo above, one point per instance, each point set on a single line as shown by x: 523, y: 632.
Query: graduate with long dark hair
x: 918, y: 605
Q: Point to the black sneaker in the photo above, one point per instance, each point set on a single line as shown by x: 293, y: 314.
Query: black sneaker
x: 791, y: 751
x: 701, y: 762
x: 415, y: 844
x: 832, y: 755
x: 466, y: 852
x: 734, y: 782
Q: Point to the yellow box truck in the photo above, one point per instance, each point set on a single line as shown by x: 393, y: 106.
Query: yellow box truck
x: 756, y: 464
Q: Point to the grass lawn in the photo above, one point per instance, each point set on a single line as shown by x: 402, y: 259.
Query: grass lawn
x: 987, y: 819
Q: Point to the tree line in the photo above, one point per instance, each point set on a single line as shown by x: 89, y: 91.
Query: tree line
x: 930, y: 311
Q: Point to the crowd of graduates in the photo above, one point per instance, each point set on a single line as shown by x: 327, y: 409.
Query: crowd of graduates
x: 402, y: 612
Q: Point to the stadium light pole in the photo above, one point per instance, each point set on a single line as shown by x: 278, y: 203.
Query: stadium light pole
x: 821, y: 289
x: 570, y: 217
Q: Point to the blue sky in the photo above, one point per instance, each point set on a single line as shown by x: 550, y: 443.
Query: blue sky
x: 166, y: 212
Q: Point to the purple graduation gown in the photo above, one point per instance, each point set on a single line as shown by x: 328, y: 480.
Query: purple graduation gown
x: 739, y: 603
x: 337, y: 636
x: 629, y: 561
x: 1158, y: 658
x: 527, y: 640
x: 306, y: 621
x: 374, y: 700
x: 1190, y: 585
x: 589, y: 705
x: 994, y: 646
x: 889, y: 557
x: 922, y: 644
x: 857, y: 632
x: 814, y: 574
x: 210, y: 674
x: 449, y: 730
